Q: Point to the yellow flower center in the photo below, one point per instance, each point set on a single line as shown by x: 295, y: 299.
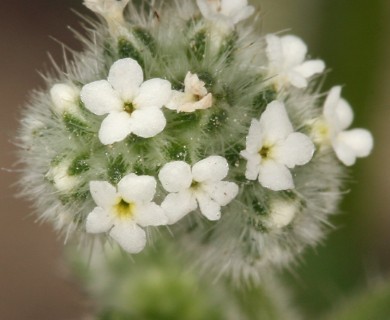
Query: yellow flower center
x: 321, y: 131
x: 124, y: 210
x: 265, y: 152
x: 195, y: 185
x: 128, y: 107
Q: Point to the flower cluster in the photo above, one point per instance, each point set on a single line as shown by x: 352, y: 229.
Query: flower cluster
x: 123, y: 211
x: 150, y: 124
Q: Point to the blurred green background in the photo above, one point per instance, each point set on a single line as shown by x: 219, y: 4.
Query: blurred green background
x: 353, y: 37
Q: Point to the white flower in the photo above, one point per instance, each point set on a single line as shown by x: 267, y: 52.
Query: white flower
x: 228, y: 12
x: 132, y: 106
x: 123, y: 212
x: 111, y: 10
x: 287, y: 63
x: 194, y: 97
x: 65, y: 98
x: 281, y: 213
x: 338, y: 116
x: 202, y: 185
x: 272, y: 147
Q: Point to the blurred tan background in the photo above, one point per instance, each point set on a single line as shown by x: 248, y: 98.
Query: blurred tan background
x: 354, y: 40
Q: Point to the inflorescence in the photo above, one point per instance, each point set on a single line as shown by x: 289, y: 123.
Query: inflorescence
x: 186, y: 108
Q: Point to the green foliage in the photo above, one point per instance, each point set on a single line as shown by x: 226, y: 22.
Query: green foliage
x: 161, y: 286
x: 198, y: 44
x: 372, y: 304
x: 79, y: 165
x: 217, y: 121
x: 75, y: 125
x: 146, y: 38
x: 116, y: 170
x: 207, y: 78
x: 228, y: 47
x: 127, y: 50
x: 177, y: 151
x: 262, y: 99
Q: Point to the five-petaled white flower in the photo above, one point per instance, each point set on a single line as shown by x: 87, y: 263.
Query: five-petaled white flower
x: 287, y: 63
x: 111, y: 10
x: 228, y: 12
x: 194, y: 97
x: 123, y: 212
x: 202, y: 185
x: 65, y: 98
x: 338, y: 116
x: 132, y: 106
x: 272, y: 147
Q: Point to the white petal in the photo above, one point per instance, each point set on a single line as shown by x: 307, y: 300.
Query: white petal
x: 344, y: 153
x: 253, y: 164
x: 311, y: 67
x: 237, y: 10
x: 177, y: 205
x: 344, y: 114
x: 100, y: 98
x: 275, y: 176
x: 243, y: 14
x: 175, y: 176
x: 330, y: 105
x: 230, y: 7
x: 175, y: 100
x: 64, y: 97
x: 148, y: 122
x: 150, y: 214
x: 98, y: 221
x: 115, y: 127
x: 254, y: 140
x: 222, y: 192
x: 194, y: 85
x: 275, y: 123
x: 126, y: 76
x: 294, y: 50
x: 297, y: 149
x: 353, y: 143
x: 274, y: 50
x: 205, y: 9
x: 130, y: 237
x: 360, y: 140
x: 205, y: 103
x: 296, y: 79
x: 213, y: 168
x: 103, y: 193
x: 153, y: 93
x: 137, y: 189
x: 208, y: 207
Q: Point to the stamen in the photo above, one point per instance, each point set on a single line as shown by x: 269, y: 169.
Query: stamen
x: 124, y: 210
